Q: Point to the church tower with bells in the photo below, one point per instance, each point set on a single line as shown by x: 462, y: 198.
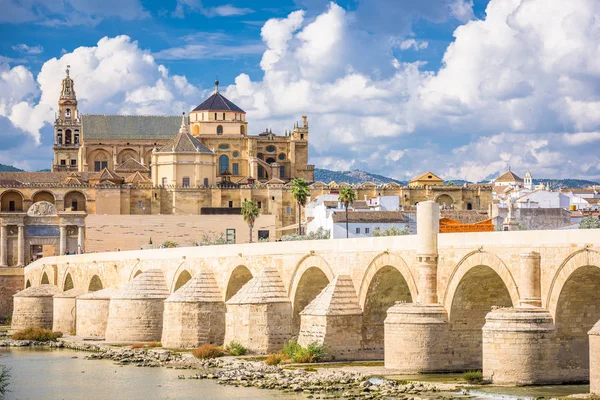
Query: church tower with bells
x: 67, y: 129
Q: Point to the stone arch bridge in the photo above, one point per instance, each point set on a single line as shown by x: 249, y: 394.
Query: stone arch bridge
x: 420, y: 301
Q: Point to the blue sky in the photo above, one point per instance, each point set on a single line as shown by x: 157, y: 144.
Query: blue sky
x: 465, y: 88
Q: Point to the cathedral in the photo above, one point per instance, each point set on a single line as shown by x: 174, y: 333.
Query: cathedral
x: 122, y: 182
x: 211, y: 145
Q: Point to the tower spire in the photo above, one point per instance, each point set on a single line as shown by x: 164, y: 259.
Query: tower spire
x: 217, y: 86
x: 184, y: 127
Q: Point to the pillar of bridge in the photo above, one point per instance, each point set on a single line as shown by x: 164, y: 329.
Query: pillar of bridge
x: 135, y: 313
x: 195, y: 314
x: 64, y: 311
x: 517, y: 342
x: 334, y: 319
x: 416, y: 335
x: 594, y: 335
x: 33, y: 307
x: 259, y: 315
x: 92, y: 311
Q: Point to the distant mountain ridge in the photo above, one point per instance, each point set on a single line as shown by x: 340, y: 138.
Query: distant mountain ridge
x: 357, y: 177
x: 352, y: 177
x: 9, y: 168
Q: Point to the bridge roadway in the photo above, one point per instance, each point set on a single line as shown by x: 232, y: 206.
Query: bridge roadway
x: 540, y: 291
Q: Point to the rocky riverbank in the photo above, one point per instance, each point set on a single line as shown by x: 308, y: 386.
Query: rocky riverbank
x: 322, y: 383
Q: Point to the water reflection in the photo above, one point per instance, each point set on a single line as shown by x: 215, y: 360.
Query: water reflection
x: 55, y: 374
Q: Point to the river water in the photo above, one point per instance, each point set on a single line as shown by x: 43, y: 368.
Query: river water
x: 59, y: 374
x: 56, y: 374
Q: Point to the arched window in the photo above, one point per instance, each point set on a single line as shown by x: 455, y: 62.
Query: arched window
x: 68, y: 113
x: 215, y: 116
x: 219, y: 129
x: 223, y: 116
x: 469, y: 206
x: 223, y: 164
x: 68, y: 136
x: 242, y: 130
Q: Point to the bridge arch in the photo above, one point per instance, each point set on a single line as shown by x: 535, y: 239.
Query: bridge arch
x: 581, y: 258
x: 238, y: 278
x: 95, y: 284
x: 181, y: 277
x: 383, y: 260
x: 48, y: 275
x: 388, y: 279
x: 135, y: 271
x: 306, y: 262
x: 573, y: 301
x: 68, y: 282
x: 478, y: 283
x: 475, y: 259
x: 311, y: 275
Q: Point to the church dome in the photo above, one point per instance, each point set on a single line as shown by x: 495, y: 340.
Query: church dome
x: 218, y: 102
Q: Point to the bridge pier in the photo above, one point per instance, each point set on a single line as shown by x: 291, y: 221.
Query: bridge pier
x: 334, y: 319
x: 135, y: 313
x: 416, y: 335
x: 259, y: 315
x: 194, y: 315
x: 594, y: 335
x: 518, y: 342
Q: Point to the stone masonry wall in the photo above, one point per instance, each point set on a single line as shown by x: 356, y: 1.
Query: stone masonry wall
x: 130, y: 232
x: 11, y: 281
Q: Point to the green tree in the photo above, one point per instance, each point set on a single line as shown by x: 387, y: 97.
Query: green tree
x: 250, y: 212
x: 347, y: 196
x: 300, y: 192
x: 589, y: 222
x: 391, y: 231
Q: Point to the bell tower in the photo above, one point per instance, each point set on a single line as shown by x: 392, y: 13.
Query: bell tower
x: 67, y: 128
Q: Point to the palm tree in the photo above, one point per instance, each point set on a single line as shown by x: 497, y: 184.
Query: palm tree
x: 347, y: 196
x: 250, y: 212
x: 300, y: 192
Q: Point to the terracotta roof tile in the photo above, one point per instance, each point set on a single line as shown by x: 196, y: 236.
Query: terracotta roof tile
x: 95, y: 127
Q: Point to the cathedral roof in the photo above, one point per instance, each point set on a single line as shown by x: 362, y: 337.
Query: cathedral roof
x: 119, y: 127
x: 218, y: 102
x: 131, y: 165
x: 183, y: 142
x: 137, y: 178
x: 509, y: 176
x: 107, y: 176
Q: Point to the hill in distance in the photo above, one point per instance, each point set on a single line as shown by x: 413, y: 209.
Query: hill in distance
x: 9, y: 168
x: 352, y: 177
x: 357, y: 177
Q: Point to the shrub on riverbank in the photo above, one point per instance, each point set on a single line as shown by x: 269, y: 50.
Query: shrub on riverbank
x: 473, y: 377
x: 298, y: 354
x: 37, y: 334
x: 275, y: 359
x: 208, y: 351
x: 235, y: 348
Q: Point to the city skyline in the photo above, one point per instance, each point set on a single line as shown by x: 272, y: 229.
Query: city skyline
x: 461, y: 88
